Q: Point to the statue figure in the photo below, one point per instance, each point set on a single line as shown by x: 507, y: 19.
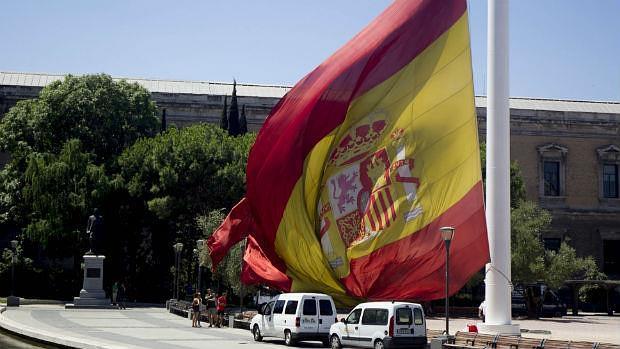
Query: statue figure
x: 94, y: 229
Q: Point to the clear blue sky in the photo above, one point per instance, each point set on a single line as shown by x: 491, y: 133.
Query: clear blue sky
x: 559, y: 48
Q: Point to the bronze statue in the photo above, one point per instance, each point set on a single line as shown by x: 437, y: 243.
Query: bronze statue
x: 94, y: 228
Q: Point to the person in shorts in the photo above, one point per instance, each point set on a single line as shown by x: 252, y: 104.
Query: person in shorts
x: 210, y: 305
x: 195, y: 310
x: 221, y: 305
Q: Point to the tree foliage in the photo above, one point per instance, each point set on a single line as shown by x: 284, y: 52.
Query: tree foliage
x: 234, y: 129
x: 58, y: 191
x: 229, y: 269
x: 185, y: 172
x: 532, y: 263
x: 105, y: 115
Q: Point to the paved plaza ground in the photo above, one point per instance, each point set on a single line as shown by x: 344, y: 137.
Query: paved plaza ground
x: 156, y: 328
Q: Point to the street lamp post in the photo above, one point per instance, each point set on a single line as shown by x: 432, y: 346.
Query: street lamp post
x: 199, y: 245
x: 447, y: 233
x: 178, y: 248
x: 196, y: 257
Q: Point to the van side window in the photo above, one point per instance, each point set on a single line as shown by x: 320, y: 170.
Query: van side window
x: 309, y: 307
x: 375, y: 317
x: 277, y: 309
x: 404, y: 316
x: 354, y: 317
x: 417, y: 317
x: 291, y: 307
x: 325, y: 307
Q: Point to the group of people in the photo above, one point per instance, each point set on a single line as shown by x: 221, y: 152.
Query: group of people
x: 214, y: 306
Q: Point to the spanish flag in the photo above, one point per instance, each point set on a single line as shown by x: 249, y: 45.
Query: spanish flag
x: 360, y: 164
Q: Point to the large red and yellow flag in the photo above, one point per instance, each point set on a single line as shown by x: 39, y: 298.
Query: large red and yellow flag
x: 361, y: 163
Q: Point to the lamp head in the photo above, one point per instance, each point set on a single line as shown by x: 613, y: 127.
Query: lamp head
x: 14, y: 244
x: 178, y: 247
x: 200, y: 243
x: 447, y: 233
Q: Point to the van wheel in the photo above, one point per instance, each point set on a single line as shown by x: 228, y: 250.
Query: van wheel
x: 379, y: 344
x: 256, y: 332
x: 335, y: 342
x: 288, y: 338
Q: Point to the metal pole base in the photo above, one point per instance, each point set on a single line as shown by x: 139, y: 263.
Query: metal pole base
x: 507, y: 330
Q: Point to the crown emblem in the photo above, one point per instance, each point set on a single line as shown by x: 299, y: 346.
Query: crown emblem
x: 356, y: 144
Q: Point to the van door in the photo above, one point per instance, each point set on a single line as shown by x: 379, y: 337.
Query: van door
x: 267, y: 318
x: 278, y: 317
x: 351, y: 335
x: 403, y: 321
x: 290, y: 313
x: 327, y: 315
x: 374, y: 321
x: 419, y: 322
x: 309, y: 316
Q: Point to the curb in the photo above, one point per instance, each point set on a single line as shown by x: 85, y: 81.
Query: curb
x: 46, y: 337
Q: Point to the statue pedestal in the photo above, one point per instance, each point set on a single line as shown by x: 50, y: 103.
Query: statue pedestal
x: 92, y: 294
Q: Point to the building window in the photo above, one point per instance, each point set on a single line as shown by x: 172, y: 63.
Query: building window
x: 611, y: 259
x: 610, y: 181
x: 552, y: 244
x: 551, y: 171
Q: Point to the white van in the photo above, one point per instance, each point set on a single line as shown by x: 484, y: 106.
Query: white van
x: 295, y: 317
x: 381, y: 325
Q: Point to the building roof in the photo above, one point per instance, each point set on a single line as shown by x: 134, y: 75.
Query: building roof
x: 276, y: 91
x: 158, y: 86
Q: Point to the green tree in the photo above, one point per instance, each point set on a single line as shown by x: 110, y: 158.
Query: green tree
x: 229, y: 269
x: 105, y: 115
x: 170, y: 180
x: 58, y: 191
x: 185, y: 172
x: 234, y: 128
x: 531, y: 263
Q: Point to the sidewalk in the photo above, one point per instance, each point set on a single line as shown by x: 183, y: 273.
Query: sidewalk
x: 588, y: 327
x: 114, y: 329
x: 156, y: 328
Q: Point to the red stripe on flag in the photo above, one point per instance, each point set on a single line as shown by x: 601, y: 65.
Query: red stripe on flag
x: 237, y: 225
x: 257, y: 268
x: 417, y: 262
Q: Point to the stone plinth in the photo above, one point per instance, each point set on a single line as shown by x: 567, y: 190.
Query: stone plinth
x: 92, y: 294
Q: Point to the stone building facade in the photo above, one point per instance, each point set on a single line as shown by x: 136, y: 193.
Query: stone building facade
x: 568, y: 151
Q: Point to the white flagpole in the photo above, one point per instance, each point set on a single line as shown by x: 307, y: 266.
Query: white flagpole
x: 498, y: 317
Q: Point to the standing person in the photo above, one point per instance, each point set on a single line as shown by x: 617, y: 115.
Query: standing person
x: 120, y: 296
x: 221, y: 305
x: 195, y: 309
x: 199, y: 306
x: 210, y: 304
x: 482, y: 309
x: 114, y: 292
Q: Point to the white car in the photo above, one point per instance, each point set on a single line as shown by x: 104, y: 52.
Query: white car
x: 381, y: 325
x: 295, y: 317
